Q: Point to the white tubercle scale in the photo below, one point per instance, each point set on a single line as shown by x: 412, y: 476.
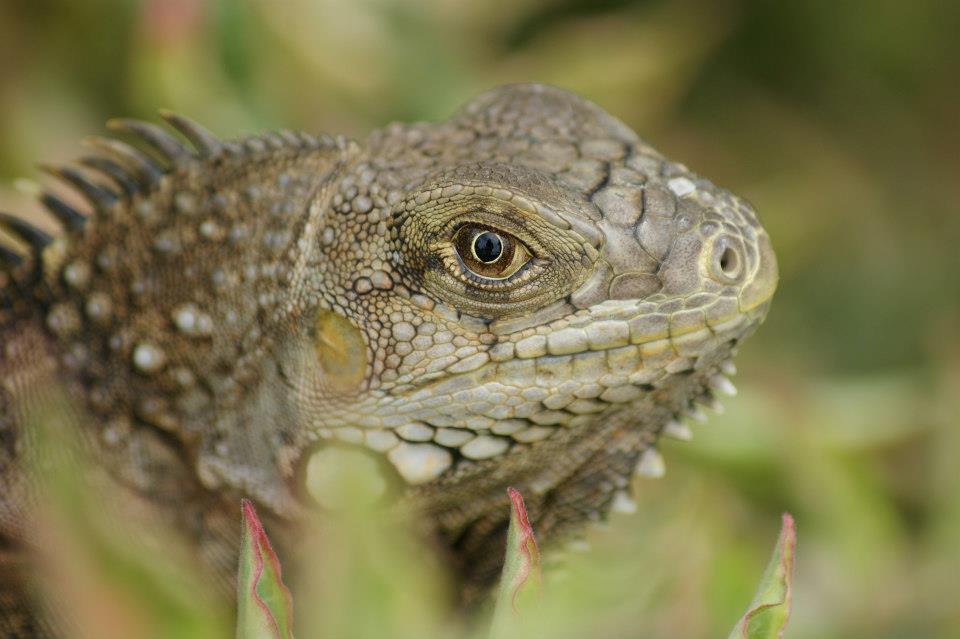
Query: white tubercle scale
x: 651, y: 464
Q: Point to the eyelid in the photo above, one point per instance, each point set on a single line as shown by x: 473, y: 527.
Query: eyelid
x: 467, y: 274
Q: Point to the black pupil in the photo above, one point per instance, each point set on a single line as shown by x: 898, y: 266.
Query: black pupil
x: 488, y: 247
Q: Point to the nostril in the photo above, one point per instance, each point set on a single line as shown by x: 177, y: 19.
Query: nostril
x: 729, y: 262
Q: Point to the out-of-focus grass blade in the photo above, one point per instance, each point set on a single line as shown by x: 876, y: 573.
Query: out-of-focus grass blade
x: 770, y: 610
x: 264, y: 604
x: 360, y: 563
x: 521, y: 579
x: 103, y: 572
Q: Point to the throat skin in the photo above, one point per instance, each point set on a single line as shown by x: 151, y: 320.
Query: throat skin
x: 225, y: 311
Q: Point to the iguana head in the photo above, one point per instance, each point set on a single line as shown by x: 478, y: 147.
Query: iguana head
x: 526, y: 294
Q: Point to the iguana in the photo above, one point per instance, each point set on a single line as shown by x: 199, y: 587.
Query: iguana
x: 526, y: 294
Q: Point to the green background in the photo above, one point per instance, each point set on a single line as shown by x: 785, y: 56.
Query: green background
x: 839, y: 121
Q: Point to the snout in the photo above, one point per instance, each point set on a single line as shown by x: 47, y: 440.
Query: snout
x: 761, y: 285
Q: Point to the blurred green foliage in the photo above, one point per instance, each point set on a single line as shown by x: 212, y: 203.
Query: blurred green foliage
x: 521, y: 609
x: 837, y: 120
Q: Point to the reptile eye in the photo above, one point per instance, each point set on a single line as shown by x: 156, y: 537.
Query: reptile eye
x: 488, y: 253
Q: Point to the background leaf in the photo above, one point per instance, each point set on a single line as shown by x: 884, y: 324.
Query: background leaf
x: 520, y: 580
x: 770, y: 610
x: 264, y: 604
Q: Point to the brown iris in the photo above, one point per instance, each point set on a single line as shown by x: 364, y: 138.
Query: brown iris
x: 488, y: 253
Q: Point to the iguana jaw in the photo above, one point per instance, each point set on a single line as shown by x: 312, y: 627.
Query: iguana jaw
x: 619, y: 357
